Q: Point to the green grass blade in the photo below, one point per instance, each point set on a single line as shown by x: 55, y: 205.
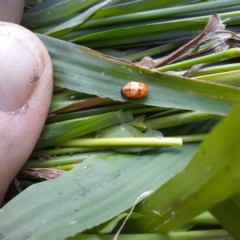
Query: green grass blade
x: 212, y: 11
x: 160, y: 12
x: 228, y: 214
x: 63, y: 151
x: 152, y: 51
x: 212, y: 58
x: 122, y: 141
x: 62, y: 106
x: 188, y: 235
x: 60, y: 161
x: 189, y: 193
x: 230, y: 78
x: 127, y: 130
x: 75, y: 22
x: 136, y: 6
x: 177, y: 119
x: 193, y: 137
x: 84, y: 70
x: 147, y: 110
x: 112, y: 52
x: 162, y: 38
x: 195, y: 23
x: 109, y: 226
x: 214, y: 69
x: 202, y: 127
x: 166, y: 113
x: 55, y: 133
x: 93, y: 111
x: 205, y: 218
x: 97, y: 190
x: 44, y: 14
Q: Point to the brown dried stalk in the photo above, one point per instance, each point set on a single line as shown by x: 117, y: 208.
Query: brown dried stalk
x: 214, y: 24
x: 44, y: 173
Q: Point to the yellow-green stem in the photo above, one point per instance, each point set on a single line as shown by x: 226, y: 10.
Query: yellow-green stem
x: 140, y: 141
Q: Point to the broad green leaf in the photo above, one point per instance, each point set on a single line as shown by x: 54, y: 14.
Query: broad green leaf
x: 75, y: 22
x: 97, y: 190
x: 210, y: 177
x: 84, y: 70
x: 49, y: 11
x: 228, y: 214
x: 55, y: 133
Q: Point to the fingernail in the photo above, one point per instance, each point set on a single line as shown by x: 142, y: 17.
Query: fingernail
x: 20, y: 69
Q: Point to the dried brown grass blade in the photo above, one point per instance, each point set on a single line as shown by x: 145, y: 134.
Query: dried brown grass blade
x: 146, y: 62
x: 87, y: 103
x: 44, y: 173
x: 213, y: 24
x: 192, y: 70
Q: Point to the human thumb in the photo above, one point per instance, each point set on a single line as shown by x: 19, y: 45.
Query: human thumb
x: 25, y: 95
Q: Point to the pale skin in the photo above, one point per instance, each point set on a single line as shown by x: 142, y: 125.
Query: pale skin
x: 26, y: 82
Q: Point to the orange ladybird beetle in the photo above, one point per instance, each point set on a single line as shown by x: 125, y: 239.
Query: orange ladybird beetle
x: 134, y: 90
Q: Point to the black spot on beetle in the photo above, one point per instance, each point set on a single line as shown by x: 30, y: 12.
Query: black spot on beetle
x: 122, y: 92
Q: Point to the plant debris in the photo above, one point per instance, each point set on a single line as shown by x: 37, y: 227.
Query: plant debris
x: 44, y: 173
